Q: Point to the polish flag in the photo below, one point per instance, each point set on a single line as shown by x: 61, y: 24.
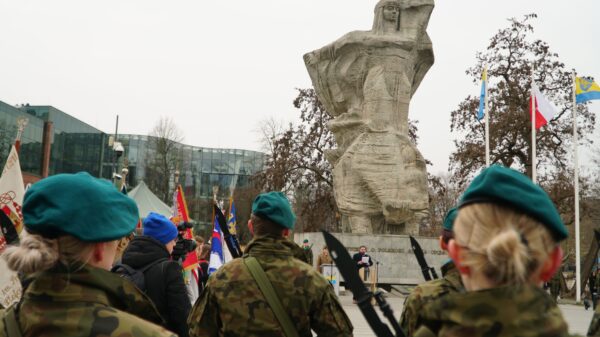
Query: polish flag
x: 544, y: 109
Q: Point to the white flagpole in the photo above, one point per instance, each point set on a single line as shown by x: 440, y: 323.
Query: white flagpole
x: 487, y: 122
x: 533, y: 152
x: 576, y: 183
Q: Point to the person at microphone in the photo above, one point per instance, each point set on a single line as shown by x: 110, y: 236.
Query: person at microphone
x: 363, y: 260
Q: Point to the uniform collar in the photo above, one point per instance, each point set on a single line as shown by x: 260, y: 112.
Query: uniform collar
x: 269, y: 245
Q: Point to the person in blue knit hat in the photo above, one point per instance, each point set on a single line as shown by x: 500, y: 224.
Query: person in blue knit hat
x: 151, y: 253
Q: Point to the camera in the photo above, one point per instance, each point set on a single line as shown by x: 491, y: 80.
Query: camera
x: 183, y: 246
x: 184, y: 225
x: 118, y: 148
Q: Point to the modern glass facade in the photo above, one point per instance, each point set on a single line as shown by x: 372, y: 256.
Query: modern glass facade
x: 31, y: 140
x: 76, y: 146
x: 72, y: 146
x: 200, y: 170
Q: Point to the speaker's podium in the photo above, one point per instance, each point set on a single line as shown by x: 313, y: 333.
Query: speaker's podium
x: 369, y: 276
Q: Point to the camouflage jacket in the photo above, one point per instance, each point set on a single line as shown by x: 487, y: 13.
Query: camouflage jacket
x: 426, y: 292
x: 309, y: 255
x: 524, y: 311
x: 86, y: 302
x: 233, y: 305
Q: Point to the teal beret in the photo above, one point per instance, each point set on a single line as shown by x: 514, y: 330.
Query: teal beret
x: 498, y: 184
x: 449, y: 219
x: 88, y: 208
x: 274, y: 206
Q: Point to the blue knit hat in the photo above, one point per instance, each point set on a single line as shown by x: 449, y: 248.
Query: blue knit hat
x: 159, y: 227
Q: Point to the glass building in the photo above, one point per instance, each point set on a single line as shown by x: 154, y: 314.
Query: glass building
x: 54, y: 142
x: 30, y: 154
x: 200, y: 169
x: 76, y: 146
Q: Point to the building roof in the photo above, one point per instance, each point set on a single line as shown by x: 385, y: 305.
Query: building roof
x: 148, y: 202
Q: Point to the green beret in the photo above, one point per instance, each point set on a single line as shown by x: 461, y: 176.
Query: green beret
x: 449, y: 219
x: 498, y: 184
x: 88, y: 208
x: 275, y: 207
x: 305, y: 241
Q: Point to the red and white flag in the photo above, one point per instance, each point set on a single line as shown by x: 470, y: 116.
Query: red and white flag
x: 544, y: 109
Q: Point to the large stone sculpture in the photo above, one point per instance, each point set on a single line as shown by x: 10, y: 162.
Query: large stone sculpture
x: 365, y: 80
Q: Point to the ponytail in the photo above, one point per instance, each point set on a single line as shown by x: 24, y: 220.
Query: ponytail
x: 37, y: 254
x: 33, y: 254
x: 508, y: 258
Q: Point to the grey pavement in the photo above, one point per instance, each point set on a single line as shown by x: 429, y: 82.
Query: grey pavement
x: 577, y: 317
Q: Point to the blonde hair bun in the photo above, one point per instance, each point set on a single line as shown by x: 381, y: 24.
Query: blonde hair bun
x: 508, y: 254
x: 33, y: 254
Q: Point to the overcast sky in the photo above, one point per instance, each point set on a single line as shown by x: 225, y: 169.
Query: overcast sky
x: 220, y: 67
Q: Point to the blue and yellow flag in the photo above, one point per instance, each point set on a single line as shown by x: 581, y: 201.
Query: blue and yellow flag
x: 231, y: 219
x: 586, y: 90
x: 481, y: 112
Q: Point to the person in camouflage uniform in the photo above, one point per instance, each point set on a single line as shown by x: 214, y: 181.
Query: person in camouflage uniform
x: 308, y: 251
x: 506, y: 244
x: 73, y: 225
x: 232, y: 303
x: 410, y: 319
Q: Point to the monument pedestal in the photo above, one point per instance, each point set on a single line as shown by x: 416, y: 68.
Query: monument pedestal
x: 393, y: 259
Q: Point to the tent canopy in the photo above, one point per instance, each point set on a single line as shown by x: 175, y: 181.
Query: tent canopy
x: 148, y: 202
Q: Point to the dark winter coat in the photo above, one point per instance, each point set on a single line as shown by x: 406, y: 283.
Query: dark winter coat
x: 164, y: 281
x: 358, y: 258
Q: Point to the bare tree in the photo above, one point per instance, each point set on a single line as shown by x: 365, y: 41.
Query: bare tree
x: 443, y: 195
x: 164, y: 157
x: 268, y: 131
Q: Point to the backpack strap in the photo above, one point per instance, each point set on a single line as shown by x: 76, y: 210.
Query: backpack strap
x: 131, y: 270
x: 143, y: 270
x: 266, y: 287
x: 11, y: 323
x: 126, y: 267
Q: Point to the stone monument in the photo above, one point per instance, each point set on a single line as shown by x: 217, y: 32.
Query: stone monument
x: 365, y: 80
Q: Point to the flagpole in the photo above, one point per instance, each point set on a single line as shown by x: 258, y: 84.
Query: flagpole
x: 533, y: 150
x: 576, y: 184
x: 487, y: 123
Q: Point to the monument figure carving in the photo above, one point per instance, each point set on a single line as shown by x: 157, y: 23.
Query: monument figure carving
x: 365, y: 80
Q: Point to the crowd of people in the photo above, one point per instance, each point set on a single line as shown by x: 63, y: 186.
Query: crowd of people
x: 84, y: 274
